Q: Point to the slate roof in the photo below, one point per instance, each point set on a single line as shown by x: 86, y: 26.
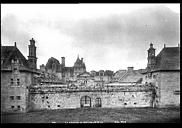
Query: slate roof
x: 79, y: 63
x: 52, y: 61
x: 120, y: 74
x: 11, y: 52
x: 133, y: 76
x: 168, y: 59
x: 82, y: 74
x: 68, y: 69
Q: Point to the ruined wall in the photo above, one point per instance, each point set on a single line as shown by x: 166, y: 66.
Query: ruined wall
x: 108, y: 99
x: 170, y: 82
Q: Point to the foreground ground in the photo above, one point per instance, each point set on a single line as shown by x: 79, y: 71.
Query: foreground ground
x: 105, y: 115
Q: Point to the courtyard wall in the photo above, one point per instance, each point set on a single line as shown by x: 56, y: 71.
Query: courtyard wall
x: 113, y: 99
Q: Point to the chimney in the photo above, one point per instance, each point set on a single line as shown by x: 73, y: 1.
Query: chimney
x: 130, y: 69
x: 82, y: 60
x: 164, y: 45
x: 63, y: 61
x: 42, y: 67
x: 15, y: 44
x: 151, y: 45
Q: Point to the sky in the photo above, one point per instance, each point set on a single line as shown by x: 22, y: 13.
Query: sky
x: 107, y: 36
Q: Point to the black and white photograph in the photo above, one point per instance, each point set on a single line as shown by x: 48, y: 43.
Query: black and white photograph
x: 90, y: 63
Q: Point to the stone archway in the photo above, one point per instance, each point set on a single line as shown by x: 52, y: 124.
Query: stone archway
x: 85, y: 101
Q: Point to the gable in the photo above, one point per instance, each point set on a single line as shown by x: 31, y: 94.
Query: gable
x: 168, y: 59
x: 11, y: 52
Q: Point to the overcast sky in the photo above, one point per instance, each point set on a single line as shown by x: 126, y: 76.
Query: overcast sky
x: 107, y: 36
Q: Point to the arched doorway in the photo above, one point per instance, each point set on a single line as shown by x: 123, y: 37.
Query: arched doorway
x: 98, y: 102
x: 85, y: 101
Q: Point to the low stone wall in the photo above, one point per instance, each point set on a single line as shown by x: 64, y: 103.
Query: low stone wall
x: 109, y: 98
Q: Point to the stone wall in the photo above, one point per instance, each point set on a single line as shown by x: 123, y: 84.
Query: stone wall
x: 170, y: 82
x: 66, y: 100
x: 15, y: 97
x: 166, y: 83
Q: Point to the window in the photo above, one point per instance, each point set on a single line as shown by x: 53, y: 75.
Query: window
x: 85, y: 101
x: 18, y: 81
x: 12, y: 107
x: 11, y: 81
x: 18, y: 97
x: 135, y: 103
x: 15, y: 69
x: 176, y: 92
x: 11, y: 97
x: 125, y: 103
x: 98, y: 102
x: 18, y: 106
x: 58, y: 105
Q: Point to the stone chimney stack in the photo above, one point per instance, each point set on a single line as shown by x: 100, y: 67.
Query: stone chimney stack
x: 130, y: 69
x: 82, y: 60
x: 32, y: 59
x: 42, y: 67
x: 63, y: 61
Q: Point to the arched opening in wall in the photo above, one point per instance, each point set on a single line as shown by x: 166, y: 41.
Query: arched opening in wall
x: 85, y: 101
x: 98, y: 102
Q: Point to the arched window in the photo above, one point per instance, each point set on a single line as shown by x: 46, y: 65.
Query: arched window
x: 98, y: 102
x: 85, y: 101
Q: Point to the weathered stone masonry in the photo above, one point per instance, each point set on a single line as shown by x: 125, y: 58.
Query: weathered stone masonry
x: 65, y: 99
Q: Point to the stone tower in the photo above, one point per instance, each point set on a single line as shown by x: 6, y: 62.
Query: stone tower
x: 79, y: 66
x: 32, y: 59
x: 151, y: 57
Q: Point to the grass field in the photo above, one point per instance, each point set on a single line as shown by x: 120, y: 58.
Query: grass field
x: 101, y: 115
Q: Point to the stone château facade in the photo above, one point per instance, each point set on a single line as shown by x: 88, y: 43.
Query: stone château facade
x: 61, y: 71
x: 55, y: 86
